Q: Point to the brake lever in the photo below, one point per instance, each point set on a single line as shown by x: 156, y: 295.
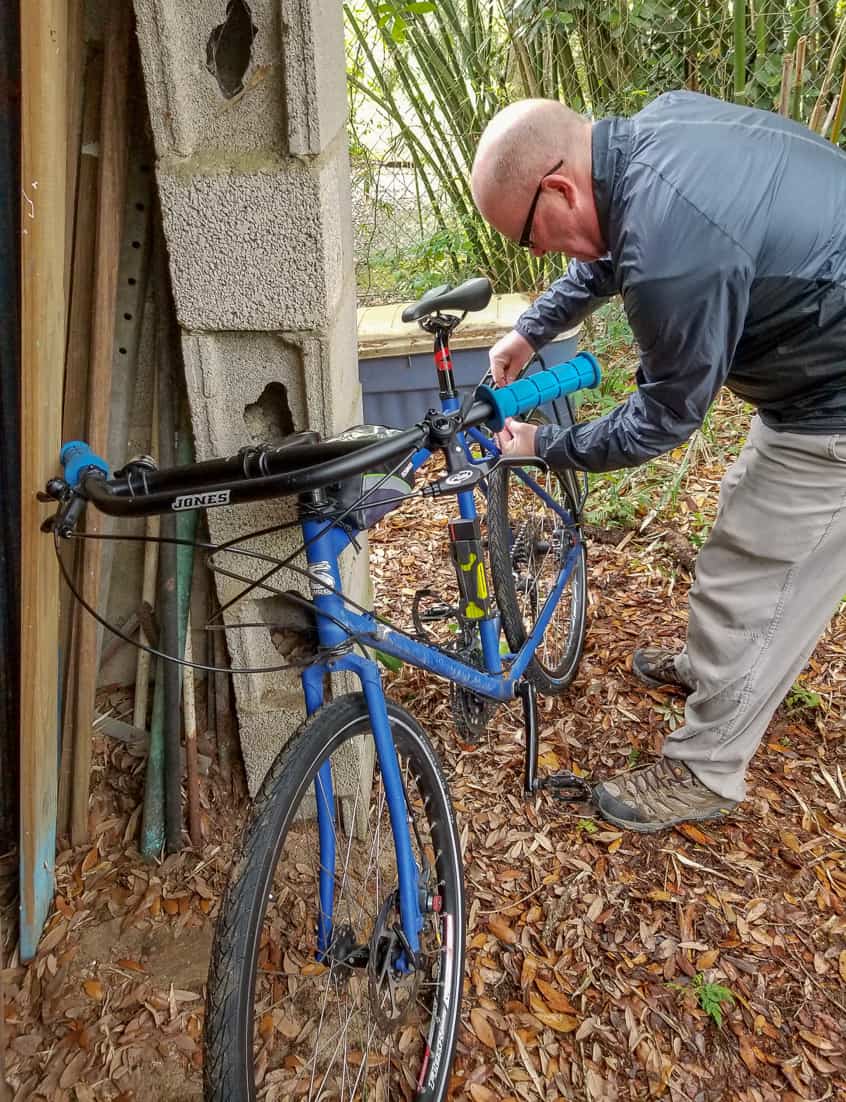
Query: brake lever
x: 71, y: 507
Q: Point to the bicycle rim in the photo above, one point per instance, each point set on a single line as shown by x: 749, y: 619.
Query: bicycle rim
x: 355, y: 1022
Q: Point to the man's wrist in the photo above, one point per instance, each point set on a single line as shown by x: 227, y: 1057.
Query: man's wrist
x: 545, y: 438
x: 526, y: 334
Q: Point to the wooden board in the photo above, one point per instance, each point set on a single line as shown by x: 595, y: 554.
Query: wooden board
x: 43, y: 207
x: 110, y: 209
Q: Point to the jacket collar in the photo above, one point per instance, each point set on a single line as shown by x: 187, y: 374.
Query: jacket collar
x: 611, y: 141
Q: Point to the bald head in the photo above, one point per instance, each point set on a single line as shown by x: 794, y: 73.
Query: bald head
x: 518, y: 147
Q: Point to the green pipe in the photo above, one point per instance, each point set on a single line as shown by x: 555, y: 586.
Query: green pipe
x: 152, y: 819
x: 157, y: 793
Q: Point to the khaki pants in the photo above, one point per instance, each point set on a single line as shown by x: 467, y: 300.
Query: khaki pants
x: 768, y: 580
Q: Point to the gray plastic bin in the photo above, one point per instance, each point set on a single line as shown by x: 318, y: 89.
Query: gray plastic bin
x: 397, y: 372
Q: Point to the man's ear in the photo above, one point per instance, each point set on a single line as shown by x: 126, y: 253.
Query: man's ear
x: 564, y: 186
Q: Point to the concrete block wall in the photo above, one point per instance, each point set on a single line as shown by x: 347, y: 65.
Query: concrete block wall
x: 248, y: 110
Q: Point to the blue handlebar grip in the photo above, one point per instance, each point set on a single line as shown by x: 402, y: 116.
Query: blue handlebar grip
x: 77, y: 457
x: 535, y: 390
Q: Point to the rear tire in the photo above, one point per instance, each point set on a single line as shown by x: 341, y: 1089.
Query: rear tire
x: 279, y: 1024
x: 528, y: 543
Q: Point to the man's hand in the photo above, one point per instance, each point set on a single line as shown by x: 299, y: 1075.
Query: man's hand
x: 517, y: 438
x: 508, y: 356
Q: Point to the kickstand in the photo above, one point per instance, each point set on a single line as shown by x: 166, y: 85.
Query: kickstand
x: 564, y: 784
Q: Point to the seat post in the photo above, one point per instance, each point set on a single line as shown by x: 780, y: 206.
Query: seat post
x: 440, y: 326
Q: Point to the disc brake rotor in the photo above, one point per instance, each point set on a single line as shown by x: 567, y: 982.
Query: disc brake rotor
x: 392, y: 972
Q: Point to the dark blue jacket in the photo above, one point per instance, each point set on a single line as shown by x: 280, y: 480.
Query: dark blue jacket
x: 726, y: 234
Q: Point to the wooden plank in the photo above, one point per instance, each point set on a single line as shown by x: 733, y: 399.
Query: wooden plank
x: 43, y: 173
x: 75, y: 72
x: 75, y: 412
x: 111, y: 191
x: 10, y: 332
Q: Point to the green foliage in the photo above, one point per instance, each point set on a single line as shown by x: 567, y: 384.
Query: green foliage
x: 711, y: 997
x: 388, y: 660
x: 587, y: 825
x: 800, y: 699
x: 434, y: 73
x: 444, y: 256
x: 633, y: 758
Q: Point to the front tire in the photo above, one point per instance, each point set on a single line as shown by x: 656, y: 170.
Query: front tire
x: 279, y: 1022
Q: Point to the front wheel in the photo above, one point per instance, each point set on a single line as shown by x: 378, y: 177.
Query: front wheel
x: 350, y: 1015
x: 529, y: 542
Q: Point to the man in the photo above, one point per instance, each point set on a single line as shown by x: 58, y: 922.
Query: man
x: 724, y: 230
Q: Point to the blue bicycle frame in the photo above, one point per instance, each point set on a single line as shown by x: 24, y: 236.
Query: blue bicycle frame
x: 335, y: 623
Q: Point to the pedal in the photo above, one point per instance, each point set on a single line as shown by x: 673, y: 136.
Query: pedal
x: 567, y: 786
x: 438, y: 610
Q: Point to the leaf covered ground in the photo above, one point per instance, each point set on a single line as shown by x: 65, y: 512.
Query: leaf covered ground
x: 706, y: 964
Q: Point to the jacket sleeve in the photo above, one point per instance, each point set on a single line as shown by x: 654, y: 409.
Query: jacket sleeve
x: 686, y: 293
x: 568, y: 301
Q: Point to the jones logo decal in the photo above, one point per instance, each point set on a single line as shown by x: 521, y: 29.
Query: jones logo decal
x: 201, y: 501
x: 458, y: 477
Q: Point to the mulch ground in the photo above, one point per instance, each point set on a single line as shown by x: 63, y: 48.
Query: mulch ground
x: 708, y: 963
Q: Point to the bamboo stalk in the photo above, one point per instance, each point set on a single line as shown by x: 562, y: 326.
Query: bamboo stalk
x: 739, y: 49
x: 798, y: 77
x: 819, y: 107
x: 837, y: 121
x: 112, y: 185
x: 786, y: 77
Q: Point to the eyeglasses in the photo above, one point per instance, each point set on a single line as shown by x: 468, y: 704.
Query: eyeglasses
x: 525, y: 241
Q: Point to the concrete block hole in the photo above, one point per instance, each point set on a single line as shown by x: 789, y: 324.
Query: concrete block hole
x: 229, y: 49
x: 269, y: 420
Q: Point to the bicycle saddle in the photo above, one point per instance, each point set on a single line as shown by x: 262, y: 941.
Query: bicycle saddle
x: 473, y: 294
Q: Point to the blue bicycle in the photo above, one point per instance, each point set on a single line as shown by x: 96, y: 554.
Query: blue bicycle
x: 339, y: 949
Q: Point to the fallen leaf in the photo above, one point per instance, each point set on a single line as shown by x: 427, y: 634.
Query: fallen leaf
x: 482, y: 1027
x: 747, y: 1054
x: 130, y: 965
x: 500, y: 928
x: 554, y: 998
x: 480, y: 1093
x: 93, y: 989
x: 695, y: 834
x: 561, y: 1023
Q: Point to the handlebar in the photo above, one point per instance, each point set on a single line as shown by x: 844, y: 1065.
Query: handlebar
x: 535, y: 390
x: 261, y: 473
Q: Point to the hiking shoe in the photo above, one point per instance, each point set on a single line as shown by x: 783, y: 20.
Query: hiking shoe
x: 655, y: 667
x: 658, y: 797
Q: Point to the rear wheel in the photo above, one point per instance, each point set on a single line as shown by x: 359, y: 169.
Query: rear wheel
x: 356, y: 1021
x: 529, y: 544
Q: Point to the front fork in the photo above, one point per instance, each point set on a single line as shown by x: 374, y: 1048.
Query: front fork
x: 409, y: 883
